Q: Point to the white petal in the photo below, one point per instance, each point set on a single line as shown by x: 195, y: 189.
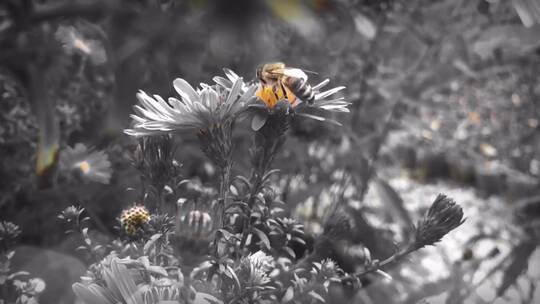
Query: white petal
x: 137, y: 119
x: 320, y: 85
x: 230, y: 74
x: 325, y: 94
x: 148, y: 114
x: 223, y: 82
x: 335, y: 108
x: 235, y: 91
x: 324, y: 102
x: 185, y: 90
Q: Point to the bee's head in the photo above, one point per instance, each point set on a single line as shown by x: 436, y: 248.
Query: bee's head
x: 258, y: 73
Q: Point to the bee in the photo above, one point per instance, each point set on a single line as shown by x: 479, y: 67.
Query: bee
x: 291, y: 81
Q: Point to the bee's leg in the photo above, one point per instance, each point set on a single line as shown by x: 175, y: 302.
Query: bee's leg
x: 275, y: 92
x: 284, y: 91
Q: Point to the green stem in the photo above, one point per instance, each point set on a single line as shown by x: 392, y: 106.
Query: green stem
x: 224, y: 184
x: 392, y: 259
x: 224, y: 188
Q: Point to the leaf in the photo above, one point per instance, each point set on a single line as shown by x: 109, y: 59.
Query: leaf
x: 125, y: 283
x: 263, y: 237
x: 258, y: 121
x: 316, y: 296
x: 384, y: 274
x: 202, y: 267
x: 85, y: 237
x: 394, y: 204
x: 244, y: 180
x: 92, y: 294
x: 201, y: 297
x: 276, y: 210
x: 151, y: 242
x: 238, y: 204
x: 519, y: 263
x: 17, y: 274
x: 273, y: 222
x: 298, y: 240
x: 528, y: 12
x: 367, y: 256
x: 269, y: 173
x: 157, y: 270
x: 234, y: 276
x: 290, y: 252
x: 226, y: 234
x: 289, y: 294
x: 248, y: 239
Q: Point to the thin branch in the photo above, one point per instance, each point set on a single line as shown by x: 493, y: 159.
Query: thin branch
x: 376, y: 151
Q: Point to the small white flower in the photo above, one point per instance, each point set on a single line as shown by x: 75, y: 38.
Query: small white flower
x: 92, y: 165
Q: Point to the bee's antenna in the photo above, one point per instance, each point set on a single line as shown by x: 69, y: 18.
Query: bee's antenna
x: 310, y: 72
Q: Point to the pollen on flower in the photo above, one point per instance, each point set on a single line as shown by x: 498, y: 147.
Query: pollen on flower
x: 271, y: 94
x: 134, y: 218
x: 93, y: 164
x: 81, y: 45
x: 84, y: 166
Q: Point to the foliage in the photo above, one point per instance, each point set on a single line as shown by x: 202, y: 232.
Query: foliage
x: 233, y: 247
x: 276, y: 207
x: 15, y: 286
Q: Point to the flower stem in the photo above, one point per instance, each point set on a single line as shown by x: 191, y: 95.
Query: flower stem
x: 392, y: 259
x: 267, y: 143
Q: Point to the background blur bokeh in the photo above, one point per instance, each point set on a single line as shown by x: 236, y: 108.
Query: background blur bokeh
x: 445, y: 98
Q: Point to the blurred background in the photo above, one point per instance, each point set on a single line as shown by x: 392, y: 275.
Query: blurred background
x: 445, y: 98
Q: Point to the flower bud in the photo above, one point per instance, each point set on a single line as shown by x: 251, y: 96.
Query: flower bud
x: 8, y: 231
x: 443, y: 216
x: 134, y: 218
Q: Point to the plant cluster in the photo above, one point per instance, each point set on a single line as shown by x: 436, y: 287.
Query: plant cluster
x: 15, y: 286
x: 235, y: 242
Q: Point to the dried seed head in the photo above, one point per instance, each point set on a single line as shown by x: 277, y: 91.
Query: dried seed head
x: 443, y: 216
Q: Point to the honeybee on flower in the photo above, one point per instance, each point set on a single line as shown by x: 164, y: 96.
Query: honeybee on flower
x: 283, y: 88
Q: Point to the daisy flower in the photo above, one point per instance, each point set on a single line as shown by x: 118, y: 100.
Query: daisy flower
x: 74, y: 42
x: 90, y: 164
x: 201, y: 109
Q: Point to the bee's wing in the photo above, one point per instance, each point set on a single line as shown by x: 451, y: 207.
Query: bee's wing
x: 291, y: 72
x: 294, y: 72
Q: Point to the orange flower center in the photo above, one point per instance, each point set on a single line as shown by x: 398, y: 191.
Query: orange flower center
x: 84, y: 166
x: 271, y: 94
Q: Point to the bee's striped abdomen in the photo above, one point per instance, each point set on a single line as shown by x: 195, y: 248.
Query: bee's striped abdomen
x: 301, y: 88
